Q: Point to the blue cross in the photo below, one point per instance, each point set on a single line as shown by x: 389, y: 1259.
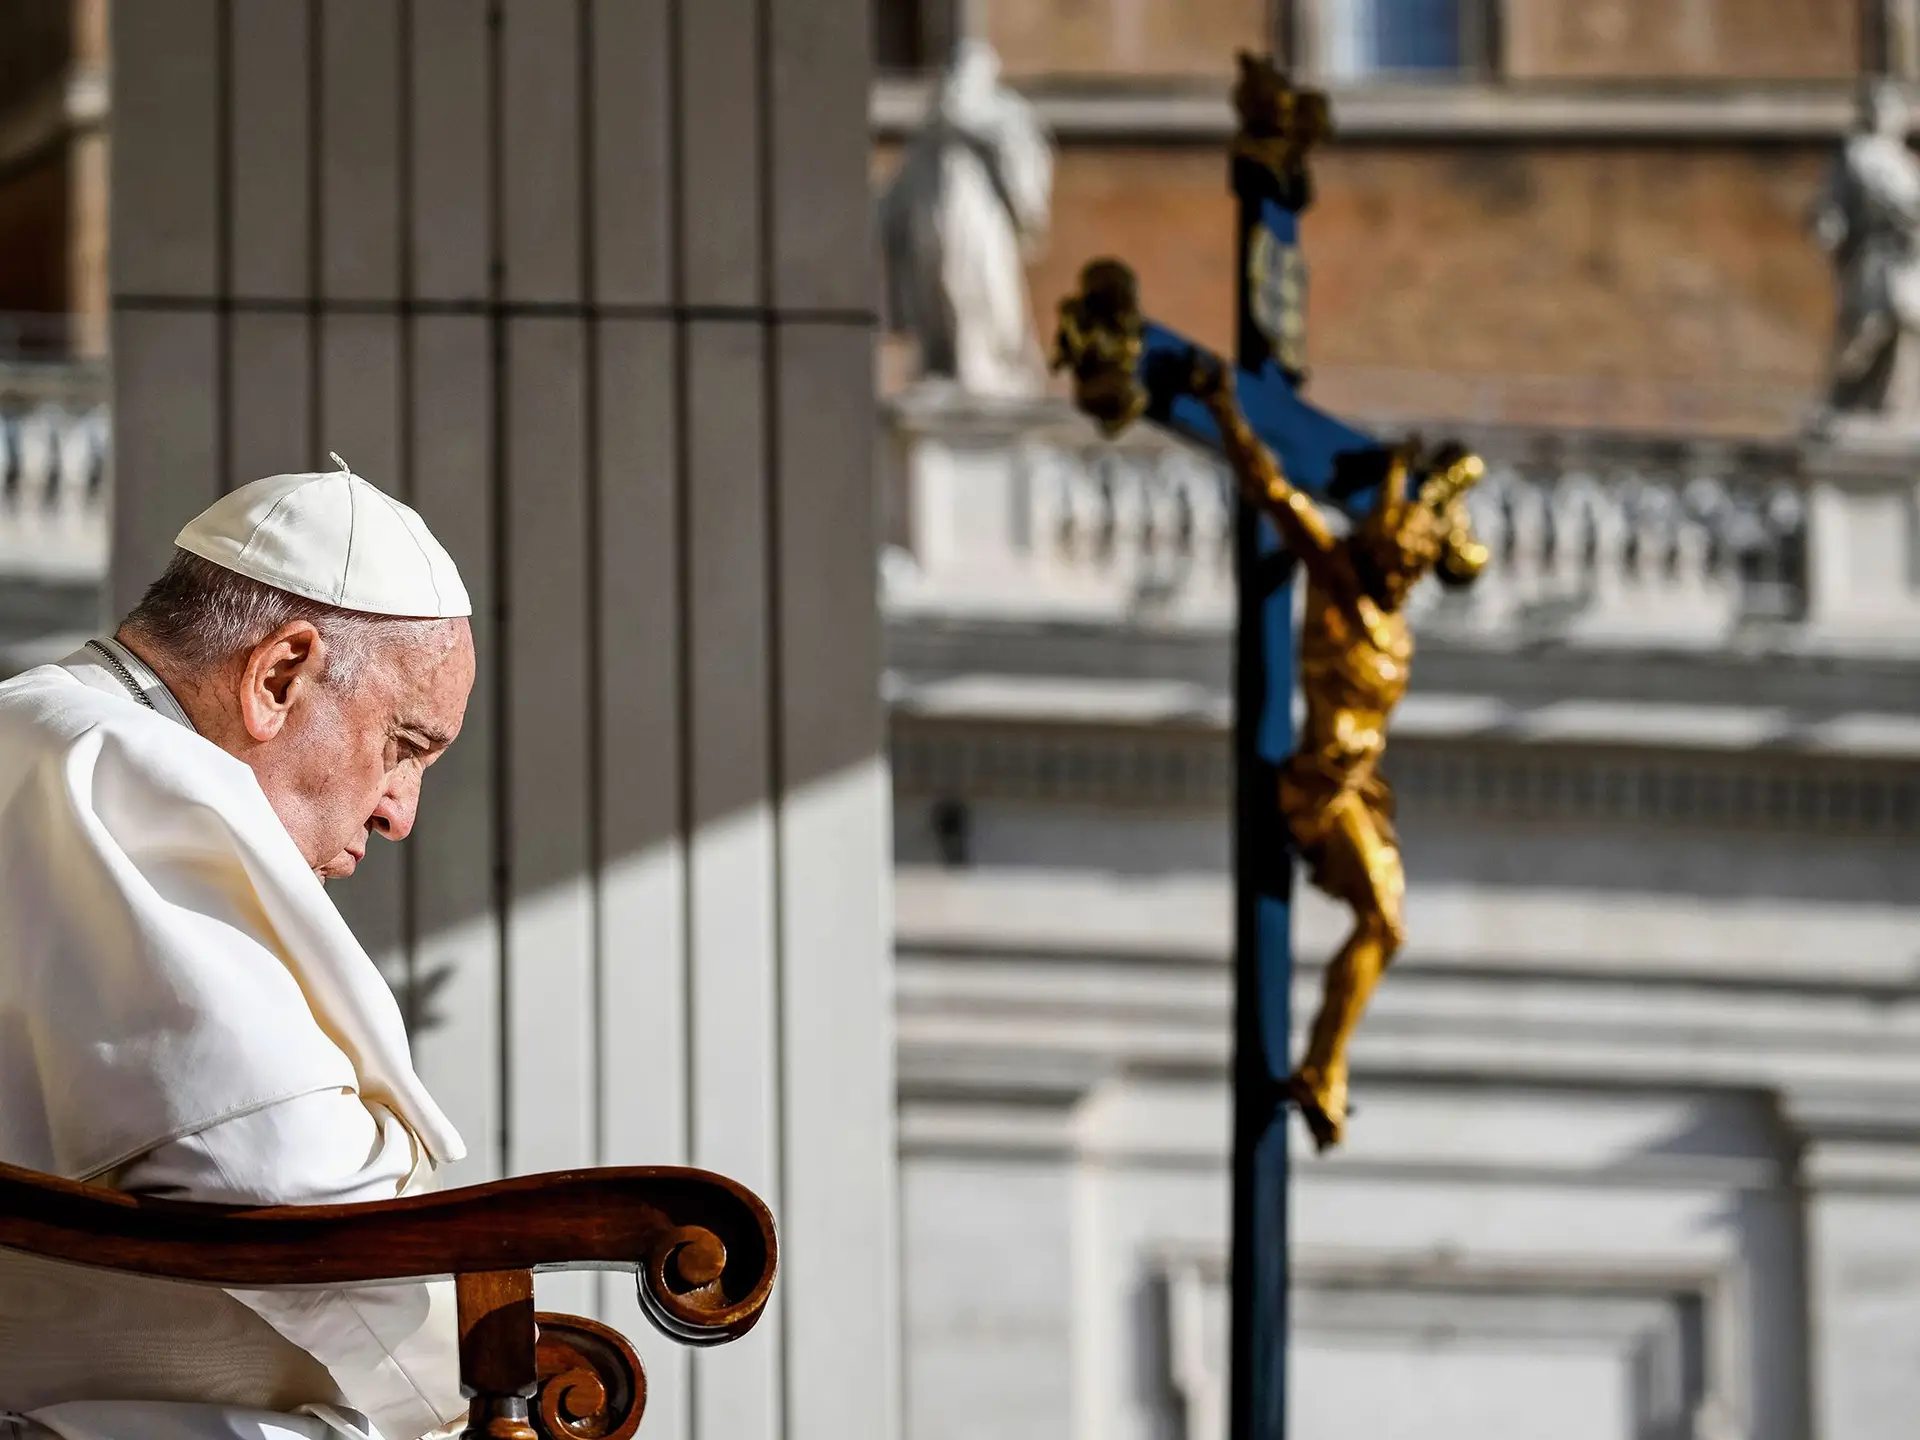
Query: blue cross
x: 1127, y: 368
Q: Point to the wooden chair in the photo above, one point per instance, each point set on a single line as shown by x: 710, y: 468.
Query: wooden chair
x: 702, y: 1246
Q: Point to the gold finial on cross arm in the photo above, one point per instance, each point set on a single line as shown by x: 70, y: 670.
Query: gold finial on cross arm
x: 1100, y: 339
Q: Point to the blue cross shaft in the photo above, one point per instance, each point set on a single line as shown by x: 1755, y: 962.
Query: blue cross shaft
x: 1306, y: 441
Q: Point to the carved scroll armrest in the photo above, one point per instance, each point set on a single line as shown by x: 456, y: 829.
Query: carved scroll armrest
x: 703, y: 1247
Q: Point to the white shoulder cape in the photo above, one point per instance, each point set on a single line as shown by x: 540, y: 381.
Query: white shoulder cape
x: 167, y: 959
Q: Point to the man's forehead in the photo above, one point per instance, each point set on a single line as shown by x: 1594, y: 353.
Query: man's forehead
x: 440, y: 637
x: 432, y: 678
x: 421, y: 648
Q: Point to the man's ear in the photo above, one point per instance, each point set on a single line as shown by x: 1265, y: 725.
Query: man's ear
x: 276, y: 676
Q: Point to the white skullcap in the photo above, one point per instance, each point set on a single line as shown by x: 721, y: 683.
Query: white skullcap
x: 332, y: 537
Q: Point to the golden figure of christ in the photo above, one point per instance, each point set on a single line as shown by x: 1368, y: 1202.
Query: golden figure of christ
x: 1355, y: 651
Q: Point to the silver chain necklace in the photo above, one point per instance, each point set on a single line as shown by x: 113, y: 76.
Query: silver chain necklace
x: 121, y: 673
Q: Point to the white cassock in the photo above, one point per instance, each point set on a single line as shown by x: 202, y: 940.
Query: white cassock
x: 184, y: 1013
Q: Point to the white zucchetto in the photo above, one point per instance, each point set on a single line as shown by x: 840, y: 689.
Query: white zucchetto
x: 334, y: 537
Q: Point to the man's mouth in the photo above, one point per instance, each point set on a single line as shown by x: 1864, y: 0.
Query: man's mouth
x: 343, y: 864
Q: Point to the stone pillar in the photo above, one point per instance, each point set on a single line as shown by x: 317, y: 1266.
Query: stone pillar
x: 1860, y: 1178
x: 955, y: 468
x: 1863, y: 537
x: 588, y: 282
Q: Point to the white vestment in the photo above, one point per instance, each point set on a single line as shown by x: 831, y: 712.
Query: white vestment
x: 183, y: 1012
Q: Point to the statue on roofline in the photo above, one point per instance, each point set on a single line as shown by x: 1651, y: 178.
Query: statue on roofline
x: 1868, y: 221
x: 969, y: 206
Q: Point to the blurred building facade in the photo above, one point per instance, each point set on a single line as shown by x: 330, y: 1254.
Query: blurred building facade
x: 53, y: 321
x: 1647, y: 165
x: 53, y: 178
x: 587, y: 283
x: 1637, y: 1151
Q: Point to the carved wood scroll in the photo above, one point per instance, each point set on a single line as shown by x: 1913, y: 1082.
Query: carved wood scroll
x: 702, y: 1246
x: 592, y: 1385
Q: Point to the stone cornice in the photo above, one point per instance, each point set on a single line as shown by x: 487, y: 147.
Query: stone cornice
x: 1805, y: 679
x: 1492, y: 775
x: 1130, y: 112
x: 1040, y: 1034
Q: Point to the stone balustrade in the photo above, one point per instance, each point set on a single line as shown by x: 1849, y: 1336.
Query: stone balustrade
x: 53, y: 492
x: 1603, y: 537
x: 1618, y: 537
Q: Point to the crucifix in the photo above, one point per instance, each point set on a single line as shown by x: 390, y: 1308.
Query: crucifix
x: 1319, y: 793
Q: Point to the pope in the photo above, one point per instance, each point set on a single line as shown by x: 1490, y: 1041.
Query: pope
x: 183, y: 1012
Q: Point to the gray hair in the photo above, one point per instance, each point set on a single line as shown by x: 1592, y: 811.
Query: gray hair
x: 203, y: 615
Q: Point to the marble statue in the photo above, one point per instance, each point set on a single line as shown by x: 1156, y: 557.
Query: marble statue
x: 969, y: 207
x: 1868, y: 220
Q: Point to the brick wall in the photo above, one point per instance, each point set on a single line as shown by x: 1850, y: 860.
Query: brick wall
x: 1629, y: 40
x: 1626, y: 285
x: 1668, y: 39
x: 1138, y: 39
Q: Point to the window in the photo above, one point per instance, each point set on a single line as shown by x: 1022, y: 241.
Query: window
x: 1360, y: 40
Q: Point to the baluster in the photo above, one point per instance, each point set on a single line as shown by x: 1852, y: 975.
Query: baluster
x: 1706, y: 503
x: 73, y: 474
x: 1044, y: 463
x: 100, y: 428
x: 1646, y: 547
x: 1636, y: 550
x: 1208, y: 500
x: 1605, y: 544
x: 1215, y: 503
x: 38, y: 438
x: 1178, y: 513
x: 1162, y: 549
x: 10, y: 476
x: 1530, y: 542
x: 1490, y: 600
x: 1785, y: 512
x: 1154, y: 569
x: 1085, y: 555
x: 1125, y: 480
x: 1652, y: 521
x: 1707, y: 542
x: 1563, y: 547
x: 9, y: 462
x: 1106, y: 510
x: 1074, y: 530
x: 39, y: 455
x: 1155, y: 526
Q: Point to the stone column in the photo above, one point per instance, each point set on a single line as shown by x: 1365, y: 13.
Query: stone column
x: 1863, y: 537
x: 588, y: 282
x: 1861, y: 1173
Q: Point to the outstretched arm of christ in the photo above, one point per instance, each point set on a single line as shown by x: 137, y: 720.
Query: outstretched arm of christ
x: 1301, y: 525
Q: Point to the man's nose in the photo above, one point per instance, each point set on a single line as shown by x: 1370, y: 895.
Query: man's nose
x: 393, y: 817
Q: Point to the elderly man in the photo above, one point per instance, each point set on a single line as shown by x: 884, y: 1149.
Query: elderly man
x: 182, y: 1010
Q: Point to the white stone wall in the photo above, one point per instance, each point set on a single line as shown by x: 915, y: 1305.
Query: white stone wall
x: 588, y: 283
x: 1637, y: 1150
